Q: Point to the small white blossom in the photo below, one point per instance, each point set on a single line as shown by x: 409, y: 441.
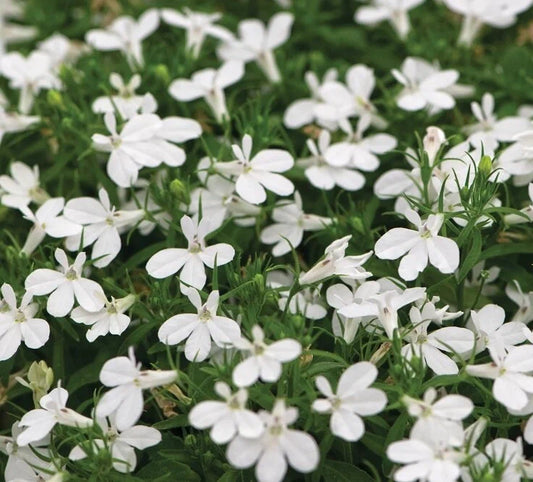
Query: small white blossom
x: 22, y: 187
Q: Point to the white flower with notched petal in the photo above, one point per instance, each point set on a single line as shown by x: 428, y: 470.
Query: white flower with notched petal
x: 263, y: 361
x: 209, y: 84
x: 424, y: 85
x: 524, y: 314
x: 22, y: 187
x: 227, y: 419
x: 39, y: 422
x: 190, y: 262
x: 277, y: 446
x: 198, y: 25
x: 18, y: 324
x: 200, y: 328
x: 121, y: 444
x: 110, y: 319
x: 65, y: 285
x: 335, y: 263
x: 353, y: 399
x: 30, y: 75
x: 126, y: 34
x: 517, y: 159
x: 509, y: 370
x: 395, y: 11
x: 440, y: 418
x: 125, y: 399
x: 102, y: 226
x: 260, y: 172
x: 290, y: 223
x: 257, y: 42
x: 14, y: 122
x: 47, y: 220
x: 418, y: 247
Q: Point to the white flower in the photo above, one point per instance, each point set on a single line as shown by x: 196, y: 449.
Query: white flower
x: 190, y: 262
x: 18, y: 324
x: 353, y: 399
x: 290, y: 223
x: 484, y: 278
x: 65, y: 285
x: 126, y: 34
x: 125, y: 102
x: 424, y: 460
x: 429, y: 347
x: 440, y: 418
x: 517, y: 159
x: 47, y: 220
x: 324, y: 175
x: 257, y: 42
x: 102, y: 226
x: 110, y: 319
x: 13, y: 32
x: 260, y: 172
x: 29, y: 74
x: 303, y: 111
x: 263, y: 361
x: 395, y: 11
x: 276, y: 447
x: 228, y: 418
x: 61, y: 50
x: 41, y: 421
x: 198, y: 25
x: 22, y: 187
x: 417, y: 247
x: 510, y: 455
x: 125, y: 399
x: 432, y: 142
x: 508, y: 370
x: 489, y: 131
x: 524, y: 314
x: 488, y: 325
x: 209, y: 84
x: 200, y: 328
x: 336, y: 263
x: 424, y: 85
x: 14, y: 122
x: 120, y: 444
x: 496, y: 13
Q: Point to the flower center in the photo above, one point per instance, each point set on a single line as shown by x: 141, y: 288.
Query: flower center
x: 195, y: 247
x: 204, y: 315
x: 20, y: 317
x: 71, y: 274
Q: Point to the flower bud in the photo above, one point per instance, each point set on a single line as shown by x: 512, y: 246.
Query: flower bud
x: 161, y: 72
x: 55, y: 99
x: 179, y: 190
x: 40, y: 379
x: 485, y: 166
x: 433, y: 140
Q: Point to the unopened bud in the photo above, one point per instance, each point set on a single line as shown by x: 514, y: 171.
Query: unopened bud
x: 161, y: 71
x: 179, y: 190
x: 40, y: 379
x: 485, y: 166
x: 433, y: 141
x: 55, y: 99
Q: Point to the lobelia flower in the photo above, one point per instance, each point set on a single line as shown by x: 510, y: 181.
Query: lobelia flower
x: 497, y: 13
x: 263, y: 361
x: 509, y: 455
x: 190, y: 262
x: 395, y: 11
x: 198, y: 25
x: 126, y: 34
x: 303, y: 111
x: 524, y: 314
x: 509, y: 371
x: 30, y: 75
x: 125, y: 399
x: 257, y: 42
x: 13, y: 32
x: 424, y: 85
x: 325, y: 175
x: 200, y: 328
x: 47, y: 220
x: 39, y: 423
x: 110, y: 319
x: 65, y: 285
x: 22, y: 187
x: 440, y: 418
x: 417, y: 247
x: 290, y: 223
x: 429, y: 347
x: 335, y: 263
x: 352, y: 400
x: 277, y: 446
x: 517, y: 159
x: 488, y: 325
x: 428, y: 311
x: 125, y: 102
x: 488, y: 131
x: 102, y: 226
x: 479, y: 274
x: 18, y: 323
x: 61, y: 50
x: 120, y: 444
x: 209, y: 84
x: 260, y: 172
x: 528, y: 211
x: 14, y: 122
x: 227, y: 419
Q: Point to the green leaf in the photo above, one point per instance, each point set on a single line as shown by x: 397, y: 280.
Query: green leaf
x: 506, y: 250
x: 165, y: 470
x: 472, y: 257
x: 177, y: 421
x: 343, y: 472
